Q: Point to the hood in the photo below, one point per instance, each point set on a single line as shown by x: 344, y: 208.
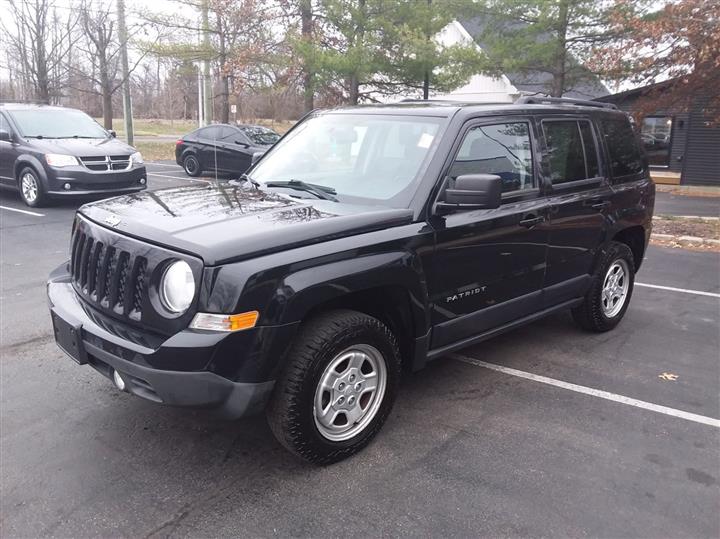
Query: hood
x: 83, y: 146
x: 230, y: 221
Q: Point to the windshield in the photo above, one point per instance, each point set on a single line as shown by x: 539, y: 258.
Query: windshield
x: 261, y: 135
x: 57, y: 123
x: 366, y: 156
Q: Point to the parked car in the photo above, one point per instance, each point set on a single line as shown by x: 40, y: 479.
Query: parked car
x: 222, y: 148
x: 367, y: 242
x: 52, y: 152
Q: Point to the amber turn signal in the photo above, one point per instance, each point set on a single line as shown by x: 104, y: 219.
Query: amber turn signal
x: 225, y: 322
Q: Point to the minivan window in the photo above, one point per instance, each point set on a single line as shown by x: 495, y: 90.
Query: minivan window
x: 625, y: 157
x: 56, y: 123
x: 501, y: 149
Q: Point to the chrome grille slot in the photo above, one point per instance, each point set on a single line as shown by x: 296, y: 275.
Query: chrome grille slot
x: 106, y: 163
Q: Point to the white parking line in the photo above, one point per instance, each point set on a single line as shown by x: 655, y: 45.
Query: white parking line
x: 33, y: 213
x: 711, y: 421
x: 176, y: 177
x: 683, y: 290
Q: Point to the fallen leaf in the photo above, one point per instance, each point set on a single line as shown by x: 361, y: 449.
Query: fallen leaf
x: 668, y: 376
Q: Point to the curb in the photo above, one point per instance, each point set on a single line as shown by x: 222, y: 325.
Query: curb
x: 696, y: 217
x: 689, y: 239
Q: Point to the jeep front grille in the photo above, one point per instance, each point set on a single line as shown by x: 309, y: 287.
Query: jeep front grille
x: 113, y: 278
x: 106, y: 163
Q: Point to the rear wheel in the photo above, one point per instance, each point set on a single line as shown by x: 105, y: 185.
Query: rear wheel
x: 191, y: 164
x: 31, y: 188
x: 609, y: 296
x: 338, y: 388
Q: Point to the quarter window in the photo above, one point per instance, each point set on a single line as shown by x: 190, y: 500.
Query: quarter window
x: 572, y: 153
x: 625, y: 157
x: 500, y: 149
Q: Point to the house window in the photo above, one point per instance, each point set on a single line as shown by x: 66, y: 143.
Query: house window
x: 656, y: 134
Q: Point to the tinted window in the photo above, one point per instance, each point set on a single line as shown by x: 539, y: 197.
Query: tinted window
x: 211, y: 133
x: 501, y: 149
x: 565, y: 151
x: 591, y: 153
x: 655, y: 135
x: 625, y: 155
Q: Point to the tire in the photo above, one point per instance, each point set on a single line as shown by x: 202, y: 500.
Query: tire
x: 332, y: 348
x: 31, y: 188
x: 609, y: 295
x: 191, y: 164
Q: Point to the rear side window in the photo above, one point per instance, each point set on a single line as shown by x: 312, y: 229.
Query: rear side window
x: 625, y: 156
x: 572, y: 152
x: 501, y: 149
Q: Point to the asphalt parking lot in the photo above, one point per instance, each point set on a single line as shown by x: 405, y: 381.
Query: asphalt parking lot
x: 545, y: 431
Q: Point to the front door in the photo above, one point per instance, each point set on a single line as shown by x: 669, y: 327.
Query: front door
x: 8, y: 154
x: 236, y: 155
x: 579, y: 203
x: 489, y: 265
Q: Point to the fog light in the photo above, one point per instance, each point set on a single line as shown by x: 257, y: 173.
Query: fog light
x: 142, y: 181
x: 67, y: 186
x: 119, y: 382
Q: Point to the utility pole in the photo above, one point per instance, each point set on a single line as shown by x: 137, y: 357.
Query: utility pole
x: 127, y: 104
x: 207, y: 81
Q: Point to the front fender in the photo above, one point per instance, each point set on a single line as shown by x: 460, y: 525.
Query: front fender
x: 27, y: 159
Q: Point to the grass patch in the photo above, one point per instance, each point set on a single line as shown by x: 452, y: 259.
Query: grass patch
x: 156, y: 150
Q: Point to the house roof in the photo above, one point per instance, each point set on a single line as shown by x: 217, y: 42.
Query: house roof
x: 589, y: 87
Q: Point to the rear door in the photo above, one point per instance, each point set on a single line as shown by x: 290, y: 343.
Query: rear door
x: 579, y: 201
x: 488, y: 265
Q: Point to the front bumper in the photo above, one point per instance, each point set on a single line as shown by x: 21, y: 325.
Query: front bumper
x: 84, y: 182
x: 133, y: 357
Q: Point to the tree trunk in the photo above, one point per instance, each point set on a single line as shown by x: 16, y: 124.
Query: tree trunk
x: 558, y: 83
x: 426, y: 85
x: 306, y: 28
x: 353, y: 89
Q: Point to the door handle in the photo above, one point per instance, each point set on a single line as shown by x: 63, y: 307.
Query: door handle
x: 531, y: 221
x: 599, y: 205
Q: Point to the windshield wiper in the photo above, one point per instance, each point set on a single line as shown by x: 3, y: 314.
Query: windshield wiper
x: 320, y: 191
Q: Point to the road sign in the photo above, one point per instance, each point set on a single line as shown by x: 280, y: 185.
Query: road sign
x: 233, y: 109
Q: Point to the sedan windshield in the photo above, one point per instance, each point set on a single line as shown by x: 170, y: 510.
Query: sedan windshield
x: 365, y: 156
x: 57, y: 123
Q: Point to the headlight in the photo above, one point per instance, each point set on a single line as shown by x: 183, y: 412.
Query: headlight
x: 60, y: 160
x: 177, y: 287
x: 137, y: 158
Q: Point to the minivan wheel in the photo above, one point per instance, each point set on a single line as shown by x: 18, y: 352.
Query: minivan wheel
x: 338, y: 386
x: 192, y: 165
x: 31, y: 188
x: 609, y: 296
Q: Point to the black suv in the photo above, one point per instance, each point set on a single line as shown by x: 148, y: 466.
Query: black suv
x: 48, y: 152
x: 367, y: 241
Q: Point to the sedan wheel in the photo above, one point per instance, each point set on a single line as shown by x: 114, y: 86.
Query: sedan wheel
x: 191, y: 165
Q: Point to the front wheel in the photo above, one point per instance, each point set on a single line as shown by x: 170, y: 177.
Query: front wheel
x: 609, y: 295
x: 338, y: 387
x: 31, y: 188
x: 191, y: 164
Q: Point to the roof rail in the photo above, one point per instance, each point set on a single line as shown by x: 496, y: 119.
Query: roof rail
x: 541, y: 100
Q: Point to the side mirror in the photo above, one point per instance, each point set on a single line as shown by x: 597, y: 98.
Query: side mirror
x: 4, y: 136
x: 113, y: 133
x: 241, y: 143
x: 473, y: 192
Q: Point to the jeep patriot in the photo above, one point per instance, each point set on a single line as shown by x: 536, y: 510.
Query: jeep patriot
x: 367, y: 242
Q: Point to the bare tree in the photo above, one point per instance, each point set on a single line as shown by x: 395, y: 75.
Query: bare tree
x: 39, y: 42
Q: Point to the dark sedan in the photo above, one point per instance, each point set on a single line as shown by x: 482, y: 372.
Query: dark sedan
x: 222, y: 148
